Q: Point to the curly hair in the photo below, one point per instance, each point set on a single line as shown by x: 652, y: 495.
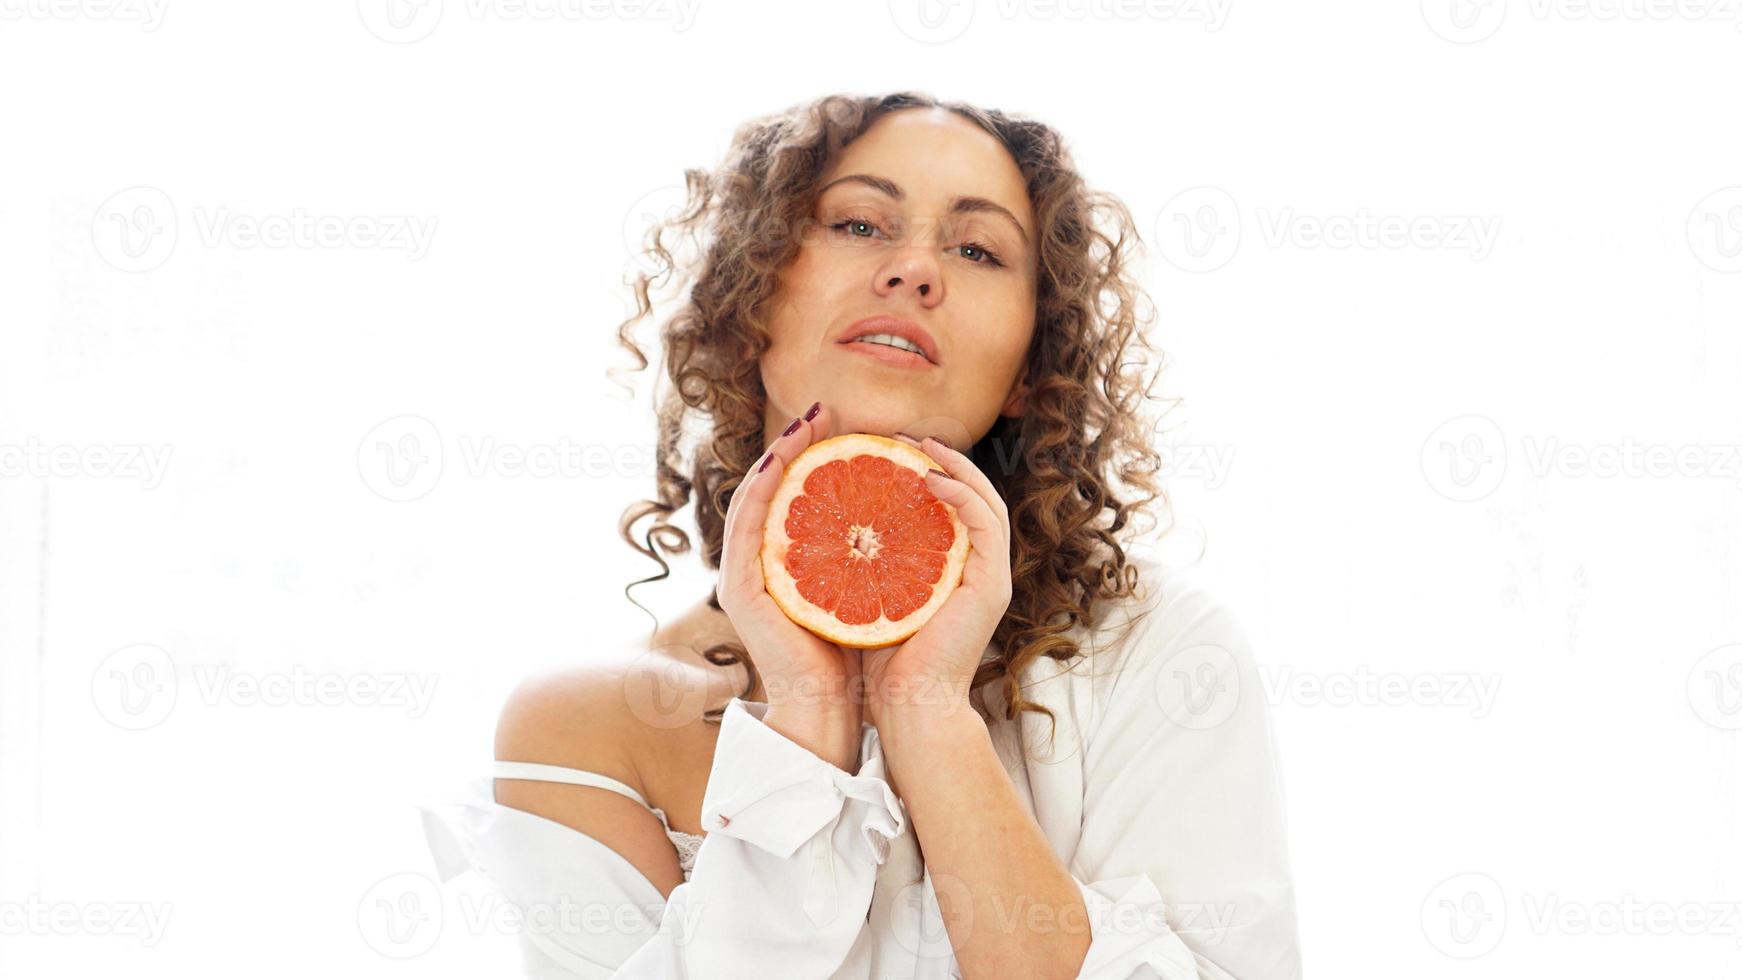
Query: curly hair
x: 1073, y: 469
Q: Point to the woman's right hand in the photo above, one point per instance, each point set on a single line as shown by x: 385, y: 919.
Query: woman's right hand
x: 811, y: 683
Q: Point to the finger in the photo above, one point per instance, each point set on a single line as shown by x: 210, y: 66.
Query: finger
x: 742, y: 547
x: 750, y: 475
x: 962, y: 469
x: 986, y: 534
x: 800, y: 433
x: 747, y: 515
x: 815, y: 429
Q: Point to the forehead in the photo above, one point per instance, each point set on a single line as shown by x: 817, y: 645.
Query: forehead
x: 935, y: 155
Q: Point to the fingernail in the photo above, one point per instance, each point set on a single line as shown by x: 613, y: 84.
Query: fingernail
x: 939, y: 473
x: 767, y: 457
x: 791, y: 428
x: 811, y: 412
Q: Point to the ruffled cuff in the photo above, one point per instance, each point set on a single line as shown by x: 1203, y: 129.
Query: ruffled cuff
x: 1136, y: 932
x: 769, y: 791
x: 1129, y: 931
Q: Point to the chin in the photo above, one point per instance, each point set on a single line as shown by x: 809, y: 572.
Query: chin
x: 864, y: 418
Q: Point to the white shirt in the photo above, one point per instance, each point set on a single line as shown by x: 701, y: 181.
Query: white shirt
x: 1161, y: 795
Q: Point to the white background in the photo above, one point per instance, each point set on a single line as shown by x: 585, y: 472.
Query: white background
x: 1420, y: 466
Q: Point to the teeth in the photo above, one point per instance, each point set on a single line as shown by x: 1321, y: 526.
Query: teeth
x: 889, y: 340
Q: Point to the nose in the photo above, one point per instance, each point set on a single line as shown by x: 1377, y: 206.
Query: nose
x: 913, y: 271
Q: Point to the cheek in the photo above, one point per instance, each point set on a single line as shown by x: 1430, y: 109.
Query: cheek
x: 819, y: 287
x: 1006, y: 328
x: 797, y: 298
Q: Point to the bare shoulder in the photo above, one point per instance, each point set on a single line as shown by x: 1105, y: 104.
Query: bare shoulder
x: 591, y: 718
x: 565, y: 717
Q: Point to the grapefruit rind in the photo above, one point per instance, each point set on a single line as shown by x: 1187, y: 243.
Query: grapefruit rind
x: 775, y: 542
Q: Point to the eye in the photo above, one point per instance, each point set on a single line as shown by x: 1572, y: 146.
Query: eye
x: 851, y: 227
x: 987, y: 256
x: 972, y: 251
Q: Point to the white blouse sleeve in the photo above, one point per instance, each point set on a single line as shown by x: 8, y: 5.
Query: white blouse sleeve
x: 781, y: 886
x: 1182, y: 860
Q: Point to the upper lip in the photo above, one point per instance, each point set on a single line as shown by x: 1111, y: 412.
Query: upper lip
x: 905, y: 329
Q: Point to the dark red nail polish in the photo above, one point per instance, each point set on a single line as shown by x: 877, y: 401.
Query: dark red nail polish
x: 767, y: 457
x: 790, y: 429
x: 811, y: 412
x: 939, y: 473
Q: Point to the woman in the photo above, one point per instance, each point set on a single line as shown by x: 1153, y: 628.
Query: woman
x: 1031, y: 785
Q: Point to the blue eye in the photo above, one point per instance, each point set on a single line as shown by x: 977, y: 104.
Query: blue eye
x: 991, y: 256
x: 986, y: 255
x: 846, y: 222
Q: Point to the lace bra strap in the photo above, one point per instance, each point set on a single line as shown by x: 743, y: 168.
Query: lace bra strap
x: 541, y: 772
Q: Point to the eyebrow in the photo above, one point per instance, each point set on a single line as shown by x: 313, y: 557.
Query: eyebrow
x: 966, y: 204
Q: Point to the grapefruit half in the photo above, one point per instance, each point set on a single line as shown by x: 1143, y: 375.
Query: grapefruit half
x: 856, y: 549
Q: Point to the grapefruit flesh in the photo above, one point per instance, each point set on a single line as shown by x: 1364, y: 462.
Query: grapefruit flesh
x: 855, y: 548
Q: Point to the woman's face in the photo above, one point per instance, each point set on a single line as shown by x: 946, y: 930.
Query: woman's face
x: 935, y: 229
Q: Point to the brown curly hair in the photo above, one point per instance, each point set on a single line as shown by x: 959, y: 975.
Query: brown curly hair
x: 1061, y: 467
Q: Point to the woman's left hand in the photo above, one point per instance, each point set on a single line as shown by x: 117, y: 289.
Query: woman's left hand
x: 932, y: 671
